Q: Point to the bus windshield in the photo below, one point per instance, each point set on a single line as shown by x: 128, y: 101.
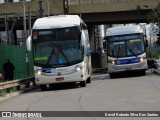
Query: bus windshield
x: 125, y: 45
x: 57, y: 47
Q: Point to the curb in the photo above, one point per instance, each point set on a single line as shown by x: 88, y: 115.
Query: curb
x: 30, y: 89
x: 16, y: 93
x: 156, y: 72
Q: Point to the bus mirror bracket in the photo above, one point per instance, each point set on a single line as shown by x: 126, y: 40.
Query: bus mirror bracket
x: 29, y: 43
x: 146, y: 43
x: 88, y: 51
x: 83, y: 37
x: 105, y: 45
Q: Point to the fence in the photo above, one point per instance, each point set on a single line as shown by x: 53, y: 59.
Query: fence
x: 17, y: 55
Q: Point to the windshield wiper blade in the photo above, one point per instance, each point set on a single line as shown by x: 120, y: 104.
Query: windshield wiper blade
x: 118, y: 52
x: 50, y: 56
x: 64, y: 55
x: 132, y: 52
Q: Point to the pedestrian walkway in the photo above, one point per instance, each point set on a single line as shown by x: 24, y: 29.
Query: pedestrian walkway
x: 157, y: 71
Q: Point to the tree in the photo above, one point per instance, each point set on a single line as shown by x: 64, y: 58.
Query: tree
x: 154, y: 15
x: 154, y: 18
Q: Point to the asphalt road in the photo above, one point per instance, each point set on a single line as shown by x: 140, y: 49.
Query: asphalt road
x: 131, y: 93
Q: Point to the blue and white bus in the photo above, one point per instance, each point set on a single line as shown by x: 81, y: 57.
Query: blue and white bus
x: 126, y: 49
x: 61, y: 50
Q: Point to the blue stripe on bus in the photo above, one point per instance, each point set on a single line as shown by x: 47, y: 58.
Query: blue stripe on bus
x: 127, y: 61
x: 48, y: 68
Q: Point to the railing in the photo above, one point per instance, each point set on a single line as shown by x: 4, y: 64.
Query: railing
x: 77, y: 2
x: 15, y: 85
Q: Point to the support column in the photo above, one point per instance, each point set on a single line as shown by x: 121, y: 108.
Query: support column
x: 91, y: 31
x: 93, y: 42
x: 15, y: 42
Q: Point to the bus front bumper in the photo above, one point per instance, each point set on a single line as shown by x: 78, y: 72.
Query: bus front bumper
x: 127, y: 68
x: 49, y: 79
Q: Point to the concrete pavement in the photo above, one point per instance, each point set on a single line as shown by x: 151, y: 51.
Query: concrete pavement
x: 157, y: 71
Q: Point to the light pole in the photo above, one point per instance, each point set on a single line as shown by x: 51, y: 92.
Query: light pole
x: 48, y: 7
x: 65, y: 7
x: 25, y: 35
x: 41, y: 12
x: 24, y: 22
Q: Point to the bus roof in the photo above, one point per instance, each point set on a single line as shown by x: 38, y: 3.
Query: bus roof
x: 57, y: 22
x: 122, y: 30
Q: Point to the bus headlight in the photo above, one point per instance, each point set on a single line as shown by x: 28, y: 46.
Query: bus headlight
x: 142, y: 59
x: 39, y: 72
x: 113, y: 62
x: 78, y: 68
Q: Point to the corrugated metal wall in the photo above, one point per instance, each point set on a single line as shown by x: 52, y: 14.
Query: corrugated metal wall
x: 17, y: 56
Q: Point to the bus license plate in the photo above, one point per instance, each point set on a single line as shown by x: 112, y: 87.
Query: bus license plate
x: 60, y: 79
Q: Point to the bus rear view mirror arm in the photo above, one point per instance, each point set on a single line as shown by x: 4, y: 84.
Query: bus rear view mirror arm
x: 29, y: 43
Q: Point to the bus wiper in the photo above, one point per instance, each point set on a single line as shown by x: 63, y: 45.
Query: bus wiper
x: 118, y: 52
x: 50, y: 56
x: 131, y: 51
x: 64, y: 55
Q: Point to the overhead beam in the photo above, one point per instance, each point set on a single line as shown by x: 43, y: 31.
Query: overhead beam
x: 56, y: 7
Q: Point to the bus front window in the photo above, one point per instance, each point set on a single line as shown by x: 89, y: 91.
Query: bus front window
x: 117, y: 49
x: 135, y: 46
x: 57, y: 47
x: 126, y: 46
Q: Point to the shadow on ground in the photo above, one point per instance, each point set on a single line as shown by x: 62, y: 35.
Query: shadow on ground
x: 127, y: 75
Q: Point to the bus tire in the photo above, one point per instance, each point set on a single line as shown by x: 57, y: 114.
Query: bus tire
x: 143, y: 72
x: 43, y: 87
x: 83, y: 83
x: 88, y: 80
x: 112, y: 75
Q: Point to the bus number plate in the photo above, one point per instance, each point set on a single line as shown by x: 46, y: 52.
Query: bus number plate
x: 60, y: 79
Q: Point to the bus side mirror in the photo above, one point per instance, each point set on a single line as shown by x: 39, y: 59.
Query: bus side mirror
x: 29, y: 43
x: 146, y: 43
x: 105, y: 46
x: 88, y: 51
x: 83, y: 37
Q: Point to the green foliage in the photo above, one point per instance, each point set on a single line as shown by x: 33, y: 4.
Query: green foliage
x: 154, y: 18
x: 158, y: 41
x: 154, y: 15
x: 152, y: 55
x: 1, y: 95
x: 10, y: 90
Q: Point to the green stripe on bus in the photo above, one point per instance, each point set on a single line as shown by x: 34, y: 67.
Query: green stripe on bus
x: 135, y: 40
x: 40, y: 58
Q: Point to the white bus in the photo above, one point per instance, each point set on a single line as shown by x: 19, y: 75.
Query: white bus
x: 61, y: 50
x: 126, y: 49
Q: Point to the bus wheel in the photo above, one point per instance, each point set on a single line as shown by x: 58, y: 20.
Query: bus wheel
x: 83, y: 83
x: 43, y: 87
x: 88, y: 80
x: 143, y: 72
x: 112, y: 75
